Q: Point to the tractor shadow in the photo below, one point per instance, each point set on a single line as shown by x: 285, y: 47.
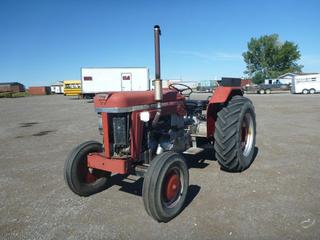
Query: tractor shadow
x: 134, y: 186
x: 193, y: 191
x: 198, y: 161
x: 126, y: 183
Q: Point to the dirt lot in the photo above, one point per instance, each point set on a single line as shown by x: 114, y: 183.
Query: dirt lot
x: 278, y: 197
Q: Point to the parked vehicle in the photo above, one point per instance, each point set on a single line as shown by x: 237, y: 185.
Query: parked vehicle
x: 306, y: 85
x: 266, y: 88
x: 57, y: 88
x: 97, y: 80
x: 72, y: 87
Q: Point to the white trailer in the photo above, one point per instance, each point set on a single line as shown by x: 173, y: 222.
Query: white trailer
x: 57, y: 87
x: 95, y: 80
x: 306, y: 84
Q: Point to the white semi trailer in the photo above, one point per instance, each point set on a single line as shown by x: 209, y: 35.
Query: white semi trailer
x: 95, y: 80
x: 306, y: 84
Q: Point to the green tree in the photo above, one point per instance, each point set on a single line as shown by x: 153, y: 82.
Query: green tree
x: 267, y: 58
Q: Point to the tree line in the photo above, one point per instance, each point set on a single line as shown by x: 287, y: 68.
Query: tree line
x: 267, y: 57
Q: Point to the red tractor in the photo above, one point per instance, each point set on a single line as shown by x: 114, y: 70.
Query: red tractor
x: 148, y: 133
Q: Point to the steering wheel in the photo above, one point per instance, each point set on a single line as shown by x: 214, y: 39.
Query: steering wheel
x: 181, y: 88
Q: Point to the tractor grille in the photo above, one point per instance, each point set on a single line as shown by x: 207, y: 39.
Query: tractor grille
x: 119, y: 125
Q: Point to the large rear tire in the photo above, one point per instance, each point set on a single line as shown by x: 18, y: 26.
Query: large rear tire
x: 235, y: 134
x: 80, y: 179
x: 165, y: 186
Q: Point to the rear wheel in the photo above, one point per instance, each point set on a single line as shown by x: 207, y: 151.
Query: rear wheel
x: 261, y: 91
x: 165, y: 186
x: 268, y: 91
x: 305, y: 91
x: 80, y: 179
x: 312, y: 91
x: 235, y: 134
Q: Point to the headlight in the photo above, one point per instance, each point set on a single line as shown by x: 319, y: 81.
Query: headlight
x: 145, y: 116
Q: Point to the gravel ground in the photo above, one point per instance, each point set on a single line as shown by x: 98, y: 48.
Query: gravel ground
x: 278, y: 197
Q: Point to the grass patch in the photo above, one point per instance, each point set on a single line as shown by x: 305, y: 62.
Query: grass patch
x: 13, y: 95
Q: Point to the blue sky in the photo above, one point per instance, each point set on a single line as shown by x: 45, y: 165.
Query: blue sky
x: 49, y: 40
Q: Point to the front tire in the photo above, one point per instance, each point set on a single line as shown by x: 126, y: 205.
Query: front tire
x: 79, y: 178
x: 235, y: 134
x: 165, y: 186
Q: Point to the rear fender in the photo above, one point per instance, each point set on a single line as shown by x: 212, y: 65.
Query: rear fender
x: 220, y: 97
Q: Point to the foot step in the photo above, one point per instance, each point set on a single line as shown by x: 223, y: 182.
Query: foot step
x: 141, y: 169
x: 193, y: 151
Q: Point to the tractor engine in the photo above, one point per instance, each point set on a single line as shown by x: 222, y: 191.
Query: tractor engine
x: 171, y: 132
x: 168, y: 134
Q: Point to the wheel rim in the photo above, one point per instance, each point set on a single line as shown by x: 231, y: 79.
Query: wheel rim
x: 90, y: 178
x: 247, y: 134
x: 172, y: 188
x: 311, y: 91
x: 85, y: 174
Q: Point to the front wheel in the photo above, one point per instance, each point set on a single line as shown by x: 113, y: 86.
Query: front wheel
x: 261, y: 91
x: 80, y: 179
x: 235, y: 134
x: 165, y: 186
x: 305, y: 91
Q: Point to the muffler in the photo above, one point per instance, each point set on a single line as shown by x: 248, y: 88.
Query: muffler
x: 158, y: 81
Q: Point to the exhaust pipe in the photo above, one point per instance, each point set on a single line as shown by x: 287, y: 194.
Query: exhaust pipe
x: 158, y: 81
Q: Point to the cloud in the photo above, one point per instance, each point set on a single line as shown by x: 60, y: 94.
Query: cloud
x: 219, y: 56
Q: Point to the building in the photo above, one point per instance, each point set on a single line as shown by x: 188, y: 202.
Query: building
x: 12, y: 87
x: 57, y: 87
x: 39, y: 90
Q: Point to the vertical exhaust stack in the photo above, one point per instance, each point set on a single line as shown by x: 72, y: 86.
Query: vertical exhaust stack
x: 158, y: 81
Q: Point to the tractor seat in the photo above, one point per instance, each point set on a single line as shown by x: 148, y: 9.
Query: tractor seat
x: 197, y: 104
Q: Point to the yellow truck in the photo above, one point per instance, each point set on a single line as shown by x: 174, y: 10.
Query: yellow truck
x: 72, y: 87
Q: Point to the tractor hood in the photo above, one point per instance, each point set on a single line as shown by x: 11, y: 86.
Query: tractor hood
x: 132, y: 101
